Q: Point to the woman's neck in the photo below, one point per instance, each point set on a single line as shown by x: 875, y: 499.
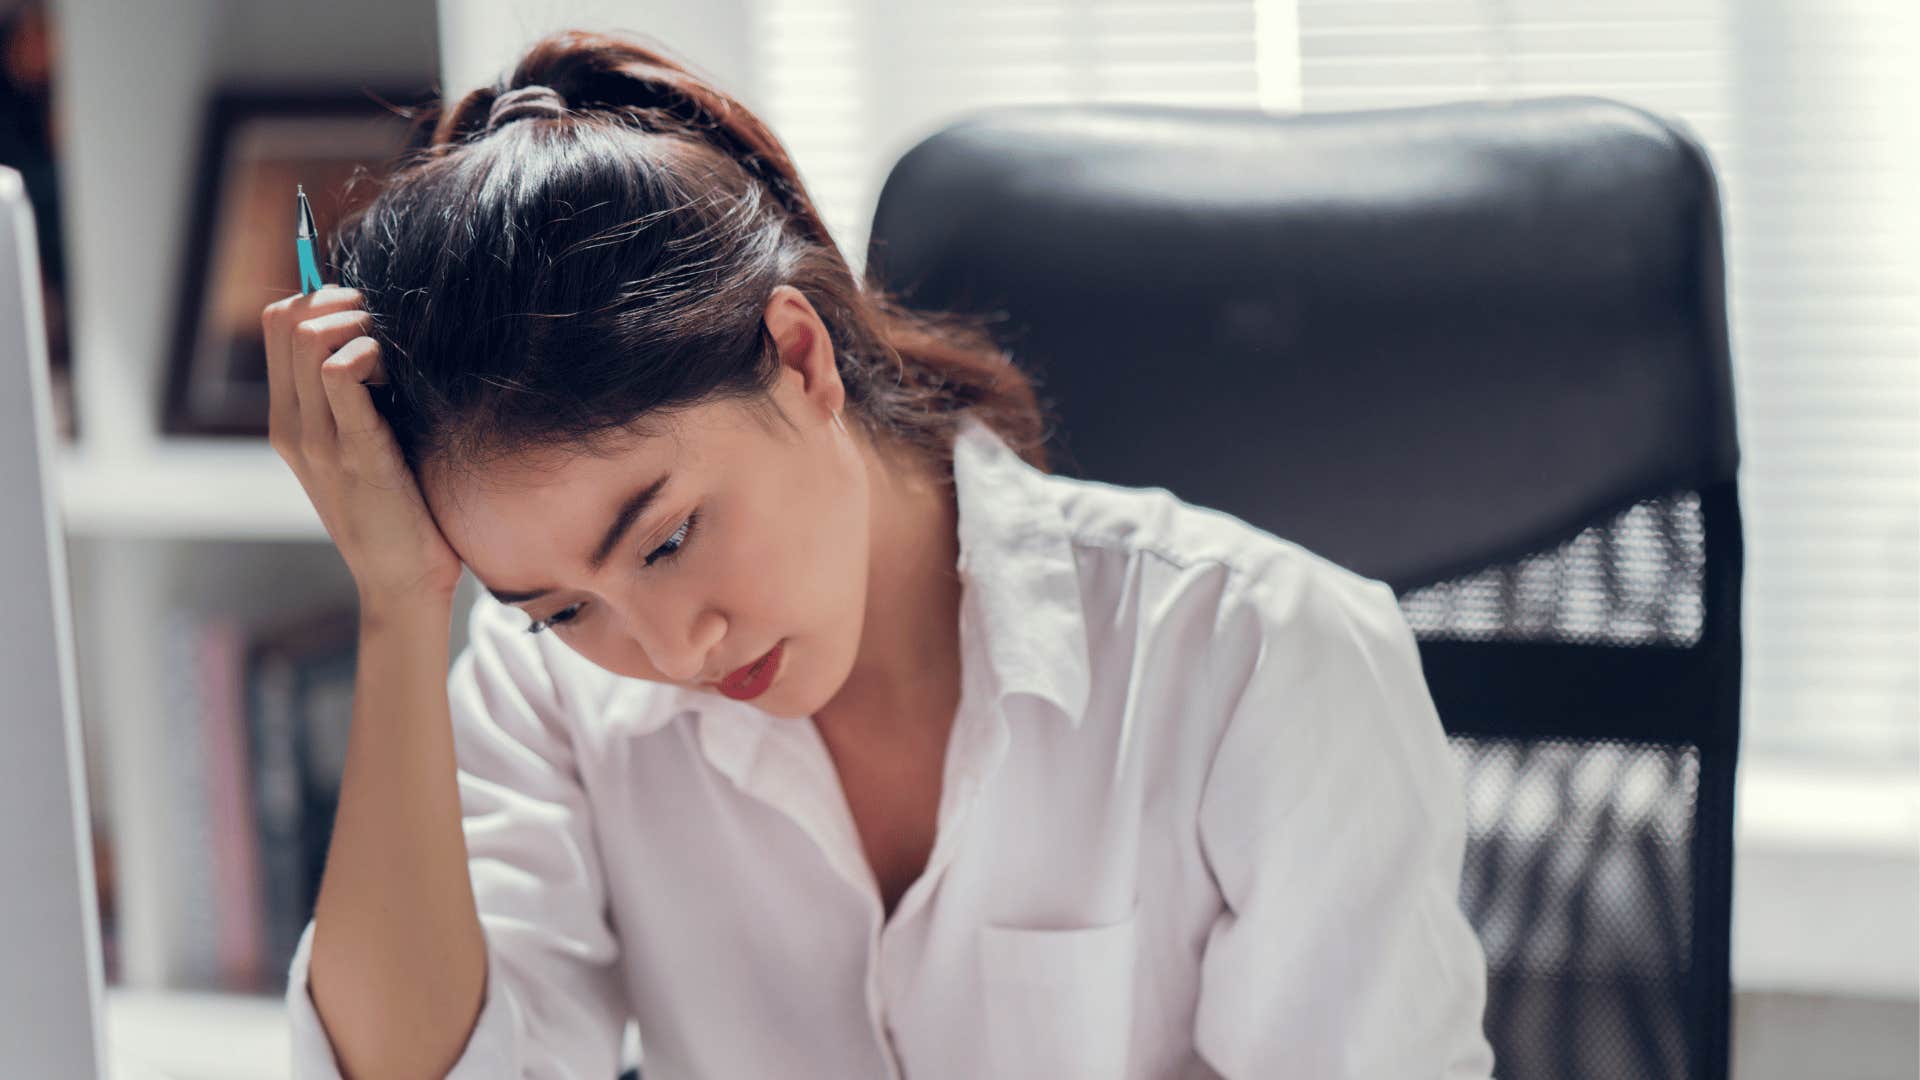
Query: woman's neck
x: 905, y: 682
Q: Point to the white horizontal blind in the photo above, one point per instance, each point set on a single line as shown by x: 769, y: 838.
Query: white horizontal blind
x: 1807, y: 111
x: 850, y: 85
x: 1805, y: 108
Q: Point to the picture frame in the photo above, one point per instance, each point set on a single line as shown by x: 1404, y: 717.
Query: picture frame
x: 239, y: 252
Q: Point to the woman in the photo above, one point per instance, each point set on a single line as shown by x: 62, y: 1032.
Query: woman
x: 811, y: 723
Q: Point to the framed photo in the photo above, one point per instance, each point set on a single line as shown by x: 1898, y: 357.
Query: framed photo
x: 240, y: 251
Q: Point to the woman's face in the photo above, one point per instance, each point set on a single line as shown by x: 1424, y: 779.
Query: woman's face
x: 756, y: 538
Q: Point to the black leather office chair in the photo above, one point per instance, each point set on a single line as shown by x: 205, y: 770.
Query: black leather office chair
x: 1478, y: 351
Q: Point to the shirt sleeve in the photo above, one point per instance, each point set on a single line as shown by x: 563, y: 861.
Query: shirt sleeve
x: 553, y: 1005
x: 1333, y: 820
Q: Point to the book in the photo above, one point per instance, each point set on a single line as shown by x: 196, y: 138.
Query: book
x: 229, y: 799
x: 190, y: 913
x: 300, y: 701
x: 214, y: 927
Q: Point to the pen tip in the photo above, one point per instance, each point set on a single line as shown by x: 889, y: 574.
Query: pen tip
x: 303, y: 212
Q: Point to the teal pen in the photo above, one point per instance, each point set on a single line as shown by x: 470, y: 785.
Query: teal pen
x: 303, y: 242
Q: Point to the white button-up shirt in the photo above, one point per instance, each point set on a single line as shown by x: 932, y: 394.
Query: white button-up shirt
x: 1198, y: 817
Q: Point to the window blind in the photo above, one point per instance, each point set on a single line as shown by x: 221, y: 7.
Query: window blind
x: 1805, y: 110
x: 851, y: 85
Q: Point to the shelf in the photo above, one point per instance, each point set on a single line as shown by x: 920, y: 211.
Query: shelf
x: 186, y: 489
x: 196, y: 1036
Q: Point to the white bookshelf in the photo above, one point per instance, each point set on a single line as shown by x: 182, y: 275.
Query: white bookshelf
x: 186, y: 489
x: 154, y: 522
x: 157, y: 523
x: 160, y: 1035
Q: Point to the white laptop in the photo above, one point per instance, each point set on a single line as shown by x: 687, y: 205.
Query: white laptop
x: 50, y: 969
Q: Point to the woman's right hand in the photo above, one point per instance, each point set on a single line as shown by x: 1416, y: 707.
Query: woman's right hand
x: 322, y: 421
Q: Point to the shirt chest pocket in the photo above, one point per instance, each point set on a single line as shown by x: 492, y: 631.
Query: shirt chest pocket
x: 1059, y: 1003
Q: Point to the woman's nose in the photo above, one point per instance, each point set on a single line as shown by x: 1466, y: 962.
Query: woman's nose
x: 678, y: 648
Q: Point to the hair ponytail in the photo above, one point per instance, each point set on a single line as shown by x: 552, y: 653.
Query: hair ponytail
x: 642, y: 218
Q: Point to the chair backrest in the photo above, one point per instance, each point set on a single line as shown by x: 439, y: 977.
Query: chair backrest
x: 1479, y: 351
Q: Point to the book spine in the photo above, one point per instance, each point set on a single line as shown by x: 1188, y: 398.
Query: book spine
x: 191, y: 940
x: 277, y: 809
x: 324, y: 713
x: 235, y: 844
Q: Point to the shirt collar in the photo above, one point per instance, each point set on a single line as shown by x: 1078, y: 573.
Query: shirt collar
x: 1021, y: 605
x: 1022, y: 584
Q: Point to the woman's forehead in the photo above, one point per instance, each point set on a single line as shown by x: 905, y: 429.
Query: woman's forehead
x: 613, y: 452
x: 585, y: 468
x: 532, y: 512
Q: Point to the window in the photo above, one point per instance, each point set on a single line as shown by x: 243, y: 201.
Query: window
x: 1805, y: 110
x: 1803, y: 107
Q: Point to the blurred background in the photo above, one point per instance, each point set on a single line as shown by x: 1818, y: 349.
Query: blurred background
x: 160, y: 141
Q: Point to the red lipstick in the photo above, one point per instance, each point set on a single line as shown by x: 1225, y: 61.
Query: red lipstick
x: 752, y: 680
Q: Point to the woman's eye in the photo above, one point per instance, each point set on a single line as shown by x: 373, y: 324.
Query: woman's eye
x: 565, y: 614
x: 674, y: 545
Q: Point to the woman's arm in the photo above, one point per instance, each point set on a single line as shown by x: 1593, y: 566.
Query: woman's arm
x: 1334, y: 823
x: 546, y: 994
x: 398, y: 957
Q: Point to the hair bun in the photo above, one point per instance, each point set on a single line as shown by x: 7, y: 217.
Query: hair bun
x: 535, y: 100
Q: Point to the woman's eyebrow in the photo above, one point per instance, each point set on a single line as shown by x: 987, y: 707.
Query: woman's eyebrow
x: 630, y: 511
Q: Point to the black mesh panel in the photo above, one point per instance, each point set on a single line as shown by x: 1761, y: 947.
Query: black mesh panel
x: 1579, y: 864
x: 1633, y: 581
x: 1577, y: 878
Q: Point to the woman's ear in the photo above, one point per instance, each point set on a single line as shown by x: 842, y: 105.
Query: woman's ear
x: 806, y: 349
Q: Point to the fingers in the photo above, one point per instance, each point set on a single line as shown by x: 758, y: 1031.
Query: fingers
x: 363, y: 432
x: 314, y: 340
x: 276, y: 326
x: 277, y: 323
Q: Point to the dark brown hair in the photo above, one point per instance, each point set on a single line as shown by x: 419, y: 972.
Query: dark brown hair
x: 603, y: 258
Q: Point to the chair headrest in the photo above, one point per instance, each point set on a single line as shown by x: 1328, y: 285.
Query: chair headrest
x: 1417, y: 340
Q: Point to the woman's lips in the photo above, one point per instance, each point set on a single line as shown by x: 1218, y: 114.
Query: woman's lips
x: 753, y: 679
